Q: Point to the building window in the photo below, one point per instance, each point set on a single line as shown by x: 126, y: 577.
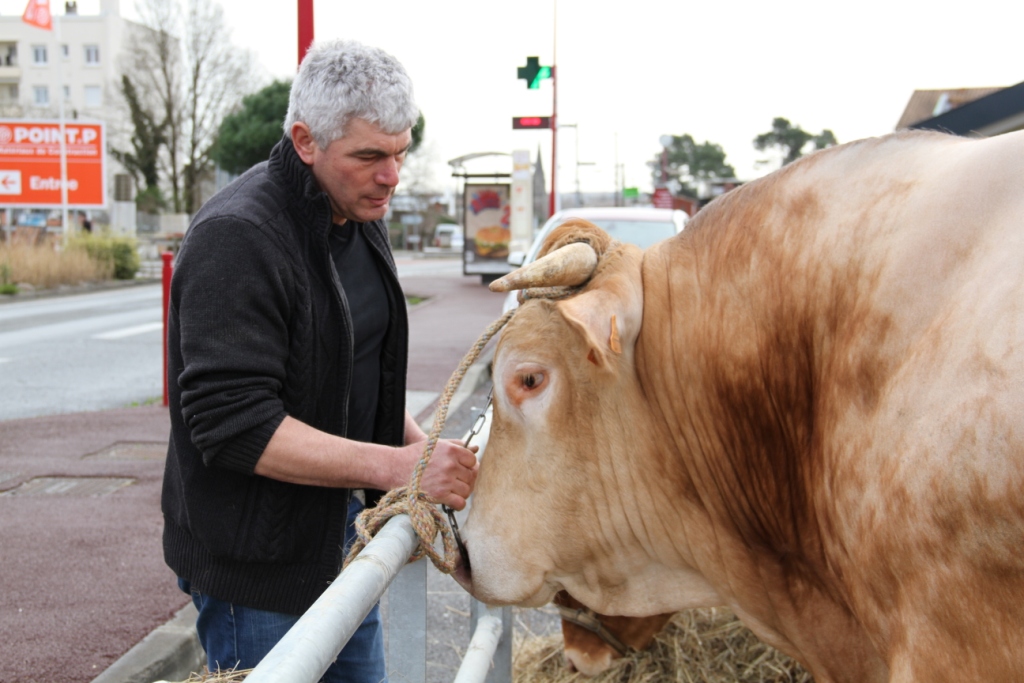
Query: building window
x: 41, y: 94
x: 39, y: 54
x: 92, y: 54
x: 93, y: 96
x: 67, y: 93
x: 65, y: 51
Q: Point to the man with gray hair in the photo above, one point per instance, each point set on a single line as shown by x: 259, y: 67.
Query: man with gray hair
x: 287, y: 357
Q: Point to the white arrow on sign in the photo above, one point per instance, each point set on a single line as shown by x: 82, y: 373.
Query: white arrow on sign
x: 10, y: 182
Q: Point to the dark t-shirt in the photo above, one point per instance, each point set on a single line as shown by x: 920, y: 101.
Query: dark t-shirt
x: 368, y: 306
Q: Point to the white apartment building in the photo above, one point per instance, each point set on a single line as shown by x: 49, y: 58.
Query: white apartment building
x: 36, y: 70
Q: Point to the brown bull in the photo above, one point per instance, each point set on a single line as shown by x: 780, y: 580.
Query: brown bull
x: 808, y: 407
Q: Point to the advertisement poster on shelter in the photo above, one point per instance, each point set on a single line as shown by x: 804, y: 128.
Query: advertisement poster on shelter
x: 487, y: 222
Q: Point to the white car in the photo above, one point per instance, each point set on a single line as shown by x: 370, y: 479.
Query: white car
x: 642, y: 226
x: 449, y: 236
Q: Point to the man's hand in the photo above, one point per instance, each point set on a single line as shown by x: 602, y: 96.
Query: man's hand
x: 451, y: 472
x: 300, y: 454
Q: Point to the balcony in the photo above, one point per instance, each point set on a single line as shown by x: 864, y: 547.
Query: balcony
x: 9, y: 74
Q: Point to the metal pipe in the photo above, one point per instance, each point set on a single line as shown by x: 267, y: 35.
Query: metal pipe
x: 313, y: 643
x: 477, y: 662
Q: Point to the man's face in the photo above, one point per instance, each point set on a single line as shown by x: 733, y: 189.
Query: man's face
x: 359, y: 171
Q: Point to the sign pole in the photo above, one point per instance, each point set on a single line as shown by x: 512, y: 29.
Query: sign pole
x: 65, y: 228
x: 553, y: 203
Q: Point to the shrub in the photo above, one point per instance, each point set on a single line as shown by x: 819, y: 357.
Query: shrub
x: 119, y: 254
x: 6, y: 286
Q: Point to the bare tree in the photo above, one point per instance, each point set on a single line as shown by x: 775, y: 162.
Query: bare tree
x: 219, y: 77
x: 153, y: 61
x: 189, y: 76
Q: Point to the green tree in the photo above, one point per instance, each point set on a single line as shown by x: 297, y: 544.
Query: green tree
x: 246, y: 136
x: 687, y: 163
x: 417, y: 133
x: 792, y: 141
x: 143, y: 160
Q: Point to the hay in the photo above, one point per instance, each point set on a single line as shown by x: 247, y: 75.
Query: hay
x: 708, y: 645
x: 229, y: 676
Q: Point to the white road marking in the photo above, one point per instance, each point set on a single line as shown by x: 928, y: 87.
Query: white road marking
x: 129, y: 331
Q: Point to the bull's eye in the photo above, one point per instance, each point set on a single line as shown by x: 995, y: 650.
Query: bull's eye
x: 531, y: 381
x: 525, y: 381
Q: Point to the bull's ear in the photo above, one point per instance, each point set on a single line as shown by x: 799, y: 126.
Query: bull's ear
x: 609, y: 322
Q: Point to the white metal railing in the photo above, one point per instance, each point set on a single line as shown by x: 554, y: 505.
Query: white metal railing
x: 313, y: 643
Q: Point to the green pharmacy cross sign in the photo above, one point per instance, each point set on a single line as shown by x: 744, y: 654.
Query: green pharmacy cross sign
x: 533, y: 73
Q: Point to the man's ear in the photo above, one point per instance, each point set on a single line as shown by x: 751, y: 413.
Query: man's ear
x: 304, y: 143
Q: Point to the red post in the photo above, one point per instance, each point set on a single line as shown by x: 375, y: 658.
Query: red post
x: 552, y: 200
x: 305, y: 27
x: 168, y: 269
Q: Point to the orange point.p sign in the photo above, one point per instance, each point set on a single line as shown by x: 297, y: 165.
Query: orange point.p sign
x: 30, y: 169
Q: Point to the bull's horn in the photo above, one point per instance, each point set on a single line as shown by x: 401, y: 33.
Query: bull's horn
x: 570, y: 265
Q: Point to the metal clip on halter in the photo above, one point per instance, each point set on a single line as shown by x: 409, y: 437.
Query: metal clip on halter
x: 478, y: 425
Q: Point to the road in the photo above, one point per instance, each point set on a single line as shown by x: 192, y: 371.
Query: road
x: 103, y: 350
x: 81, y: 352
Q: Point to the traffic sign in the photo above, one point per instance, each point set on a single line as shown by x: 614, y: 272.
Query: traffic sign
x: 662, y: 198
x: 531, y: 122
x: 30, y: 163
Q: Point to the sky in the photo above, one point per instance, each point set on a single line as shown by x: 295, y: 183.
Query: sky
x: 630, y: 72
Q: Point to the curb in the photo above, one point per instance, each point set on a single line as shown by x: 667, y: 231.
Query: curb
x: 172, y: 652
x: 69, y: 290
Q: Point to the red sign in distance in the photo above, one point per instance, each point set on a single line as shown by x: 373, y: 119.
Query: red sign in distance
x: 30, y: 164
x: 531, y: 122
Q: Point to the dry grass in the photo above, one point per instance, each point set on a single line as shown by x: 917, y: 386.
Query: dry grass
x: 709, y: 645
x: 44, y: 266
x: 230, y: 676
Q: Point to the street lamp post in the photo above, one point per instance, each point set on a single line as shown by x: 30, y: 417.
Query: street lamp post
x: 576, y: 133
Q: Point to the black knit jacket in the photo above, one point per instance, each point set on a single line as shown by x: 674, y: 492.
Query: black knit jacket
x: 258, y: 329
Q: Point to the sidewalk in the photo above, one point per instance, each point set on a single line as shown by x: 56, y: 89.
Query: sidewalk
x: 81, y: 567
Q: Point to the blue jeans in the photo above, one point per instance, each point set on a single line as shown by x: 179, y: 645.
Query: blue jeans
x: 239, y: 637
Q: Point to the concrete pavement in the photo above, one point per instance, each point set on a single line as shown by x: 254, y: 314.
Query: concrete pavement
x: 85, y: 593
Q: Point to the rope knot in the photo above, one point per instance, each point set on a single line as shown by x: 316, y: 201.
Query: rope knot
x: 427, y: 522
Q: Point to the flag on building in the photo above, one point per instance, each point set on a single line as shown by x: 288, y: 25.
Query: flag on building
x: 37, y: 13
